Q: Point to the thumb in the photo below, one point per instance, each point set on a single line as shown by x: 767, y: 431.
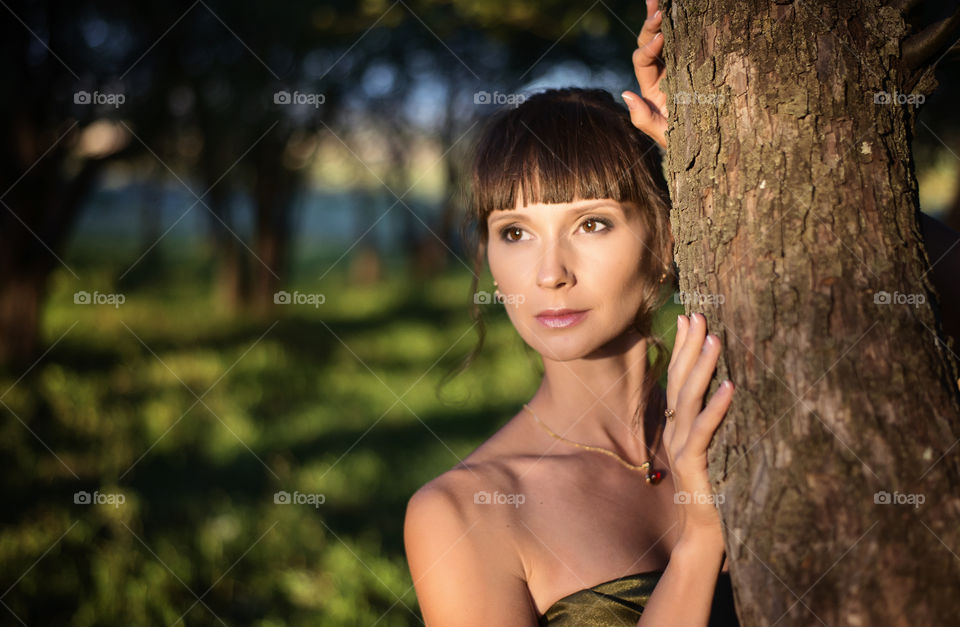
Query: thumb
x: 639, y: 111
x: 643, y: 116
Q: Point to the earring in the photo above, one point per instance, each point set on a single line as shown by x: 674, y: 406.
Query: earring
x: 663, y: 277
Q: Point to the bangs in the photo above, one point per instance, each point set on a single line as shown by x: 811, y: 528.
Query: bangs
x: 560, y: 149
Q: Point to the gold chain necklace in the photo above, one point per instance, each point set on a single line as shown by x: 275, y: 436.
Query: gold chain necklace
x: 653, y: 476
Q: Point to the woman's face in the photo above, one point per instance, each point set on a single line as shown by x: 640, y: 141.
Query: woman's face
x: 584, y: 256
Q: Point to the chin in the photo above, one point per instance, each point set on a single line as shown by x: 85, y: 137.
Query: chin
x: 567, y: 346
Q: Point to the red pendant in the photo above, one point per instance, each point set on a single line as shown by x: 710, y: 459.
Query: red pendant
x: 654, y: 476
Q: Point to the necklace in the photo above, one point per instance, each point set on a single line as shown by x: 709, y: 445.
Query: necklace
x: 653, y: 476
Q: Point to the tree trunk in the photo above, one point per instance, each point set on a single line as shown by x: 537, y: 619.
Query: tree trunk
x: 20, y: 300
x: 796, y: 223
x: 40, y: 207
x: 273, y: 193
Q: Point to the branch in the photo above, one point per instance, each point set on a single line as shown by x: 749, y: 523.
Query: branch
x: 919, y: 48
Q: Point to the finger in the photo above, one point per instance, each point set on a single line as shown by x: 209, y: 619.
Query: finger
x: 651, y: 25
x: 683, y: 323
x: 692, y: 344
x: 690, y: 399
x: 640, y: 113
x: 647, y: 64
x: 691, y: 393
x: 706, y: 423
x: 646, y: 118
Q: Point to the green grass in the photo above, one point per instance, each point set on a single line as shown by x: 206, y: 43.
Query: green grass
x: 304, y: 401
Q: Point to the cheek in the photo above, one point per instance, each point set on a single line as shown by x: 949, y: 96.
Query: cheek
x: 512, y: 268
x: 497, y: 260
x: 615, y: 271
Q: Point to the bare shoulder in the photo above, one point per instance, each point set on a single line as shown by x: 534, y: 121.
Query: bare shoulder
x: 459, y: 499
x: 461, y: 551
x: 491, y: 473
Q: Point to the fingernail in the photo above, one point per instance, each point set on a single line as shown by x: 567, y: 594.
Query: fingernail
x: 657, y: 14
x: 657, y: 36
x: 627, y: 97
x: 728, y: 384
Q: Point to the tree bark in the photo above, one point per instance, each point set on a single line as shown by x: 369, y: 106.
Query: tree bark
x: 795, y: 210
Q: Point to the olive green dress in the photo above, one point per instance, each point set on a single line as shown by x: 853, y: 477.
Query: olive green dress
x: 620, y: 602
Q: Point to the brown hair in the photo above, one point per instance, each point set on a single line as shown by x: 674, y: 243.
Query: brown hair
x: 570, y: 144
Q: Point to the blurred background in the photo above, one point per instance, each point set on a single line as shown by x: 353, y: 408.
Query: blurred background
x: 232, y: 280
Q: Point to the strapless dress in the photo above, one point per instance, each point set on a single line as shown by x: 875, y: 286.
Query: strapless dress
x: 620, y: 602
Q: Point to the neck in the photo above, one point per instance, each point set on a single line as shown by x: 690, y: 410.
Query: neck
x: 593, y: 400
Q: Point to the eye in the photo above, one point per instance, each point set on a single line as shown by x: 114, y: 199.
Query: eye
x: 594, y: 221
x: 506, y: 232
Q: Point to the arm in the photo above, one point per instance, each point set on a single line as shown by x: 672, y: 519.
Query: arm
x: 684, y: 594
x: 461, y: 572
x: 648, y: 110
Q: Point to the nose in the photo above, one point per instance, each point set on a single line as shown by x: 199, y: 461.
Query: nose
x: 554, y: 270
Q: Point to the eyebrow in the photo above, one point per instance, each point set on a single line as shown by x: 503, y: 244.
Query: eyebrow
x: 496, y: 216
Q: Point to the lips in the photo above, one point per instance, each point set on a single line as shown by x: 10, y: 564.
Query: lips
x: 561, y: 318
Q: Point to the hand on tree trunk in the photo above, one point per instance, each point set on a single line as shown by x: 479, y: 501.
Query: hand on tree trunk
x: 648, y: 111
x: 688, y: 434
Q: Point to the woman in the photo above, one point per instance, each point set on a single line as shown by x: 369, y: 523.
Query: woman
x: 572, y: 513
